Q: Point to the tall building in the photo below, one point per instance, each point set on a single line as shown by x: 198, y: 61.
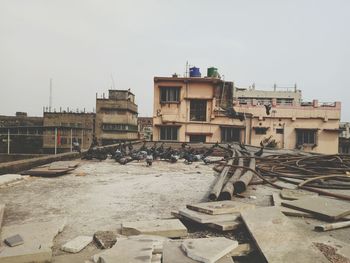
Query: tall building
x: 209, y: 109
x: 145, y: 128
x: 63, y: 128
x: 116, y: 117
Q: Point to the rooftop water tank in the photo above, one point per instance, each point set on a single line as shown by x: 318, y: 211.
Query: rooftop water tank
x: 212, y: 72
x: 195, y: 72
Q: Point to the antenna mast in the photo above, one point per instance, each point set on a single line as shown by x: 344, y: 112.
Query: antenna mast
x: 50, y: 98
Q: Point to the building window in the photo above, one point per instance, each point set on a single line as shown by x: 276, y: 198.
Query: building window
x: 260, y: 130
x: 279, y: 131
x: 229, y: 134
x: 169, y: 94
x: 198, y: 110
x: 168, y: 133
x: 197, y: 138
x: 306, y: 137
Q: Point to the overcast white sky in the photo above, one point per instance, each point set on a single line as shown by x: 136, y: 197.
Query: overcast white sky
x: 81, y: 43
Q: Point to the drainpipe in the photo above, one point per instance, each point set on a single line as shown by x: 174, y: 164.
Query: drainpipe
x: 8, y: 141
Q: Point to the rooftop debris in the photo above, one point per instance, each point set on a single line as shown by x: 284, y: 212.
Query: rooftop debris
x: 315, y: 187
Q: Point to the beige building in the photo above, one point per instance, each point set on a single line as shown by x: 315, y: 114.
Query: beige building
x: 61, y: 129
x: 116, y: 117
x: 206, y: 110
x: 145, y: 125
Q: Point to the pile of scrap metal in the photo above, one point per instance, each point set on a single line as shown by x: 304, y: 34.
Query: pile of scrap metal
x: 314, y: 173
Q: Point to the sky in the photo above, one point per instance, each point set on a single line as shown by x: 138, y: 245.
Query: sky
x: 88, y: 47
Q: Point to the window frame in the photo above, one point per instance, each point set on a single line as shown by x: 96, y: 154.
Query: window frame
x: 195, y: 112
x: 225, y: 131
x: 164, y: 91
x: 306, y: 137
x: 169, y: 134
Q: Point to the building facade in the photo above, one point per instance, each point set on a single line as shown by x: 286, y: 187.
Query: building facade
x: 116, y: 117
x: 63, y: 128
x: 145, y: 125
x: 21, y: 133
x: 209, y: 109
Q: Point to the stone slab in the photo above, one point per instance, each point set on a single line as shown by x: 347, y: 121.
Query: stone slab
x: 221, y: 207
x: 38, y: 241
x: 77, y: 244
x: 13, y: 241
x: 277, y: 202
x: 241, y: 250
x: 208, y: 250
x: 62, y: 165
x: 6, y: 179
x: 278, y: 239
x: 157, y: 241
x: 172, y: 253
x: 323, y: 207
x: 168, y: 228
x: 127, y: 251
x: 156, y: 258
x: 205, y: 218
x: 295, y: 194
x: 221, y: 226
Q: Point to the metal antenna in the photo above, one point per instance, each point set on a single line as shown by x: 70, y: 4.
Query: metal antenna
x: 113, y: 84
x: 50, y: 99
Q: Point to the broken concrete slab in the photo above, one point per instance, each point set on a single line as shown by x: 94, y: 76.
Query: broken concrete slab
x: 277, y: 201
x: 323, y: 207
x: 46, y: 172
x: 7, y: 179
x: 221, y: 207
x: 241, y: 250
x: 157, y: 241
x: 131, y: 251
x: 77, y: 244
x: 225, y: 226
x: 168, y: 228
x: 172, y: 253
x: 221, y: 226
x: 38, y: 241
x: 208, y: 250
x: 295, y: 194
x: 278, y: 238
x: 205, y: 218
x: 62, y: 165
x: 105, y: 239
x: 14, y: 241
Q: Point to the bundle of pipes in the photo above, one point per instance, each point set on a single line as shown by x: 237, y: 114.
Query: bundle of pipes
x: 313, y: 173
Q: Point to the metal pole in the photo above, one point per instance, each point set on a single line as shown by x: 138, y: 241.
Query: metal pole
x: 82, y: 139
x: 8, y: 141
x: 71, y: 140
x: 55, y: 141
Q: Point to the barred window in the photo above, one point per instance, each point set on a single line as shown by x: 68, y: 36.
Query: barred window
x: 198, y: 110
x: 169, y: 94
x: 168, y: 133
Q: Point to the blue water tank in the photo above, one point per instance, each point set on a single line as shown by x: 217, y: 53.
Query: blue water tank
x: 195, y: 72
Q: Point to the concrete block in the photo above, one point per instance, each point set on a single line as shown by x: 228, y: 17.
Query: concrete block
x: 157, y: 241
x: 208, y: 250
x: 13, y: 241
x: 38, y: 241
x: 323, y: 207
x: 205, y: 218
x: 221, y: 207
x: 167, y: 228
x: 278, y: 239
x: 172, y: 253
x: 77, y: 244
x: 277, y: 201
x: 295, y: 194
